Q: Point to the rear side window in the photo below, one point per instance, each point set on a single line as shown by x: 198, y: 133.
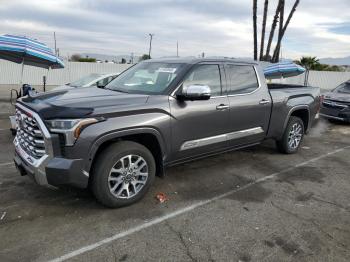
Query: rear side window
x: 205, y: 75
x: 243, y: 79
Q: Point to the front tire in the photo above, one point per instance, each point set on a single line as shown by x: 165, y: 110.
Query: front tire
x: 122, y: 174
x: 292, y: 136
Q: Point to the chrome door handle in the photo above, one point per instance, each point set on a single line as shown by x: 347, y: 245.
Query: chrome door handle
x: 264, y: 102
x: 222, y: 107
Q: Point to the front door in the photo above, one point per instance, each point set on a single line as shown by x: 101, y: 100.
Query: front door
x: 200, y: 127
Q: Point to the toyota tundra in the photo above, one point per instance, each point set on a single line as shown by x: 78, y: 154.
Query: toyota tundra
x: 156, y: 114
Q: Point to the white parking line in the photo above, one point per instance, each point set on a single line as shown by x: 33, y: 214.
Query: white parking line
x: 183, y: 210
x: 6, y: 164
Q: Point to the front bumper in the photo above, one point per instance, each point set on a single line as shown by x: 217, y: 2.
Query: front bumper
x: 335, y: 117
x: 53, y: 171
x: 49, y: 168
x: 335, y: 110
x: 29, y: 165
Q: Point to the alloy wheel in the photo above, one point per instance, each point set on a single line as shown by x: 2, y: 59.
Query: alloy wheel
x: 128, y: 176
x: 295, y: 136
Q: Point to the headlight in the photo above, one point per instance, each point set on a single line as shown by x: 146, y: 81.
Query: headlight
x: 62, y: 124
x: 71, y: 128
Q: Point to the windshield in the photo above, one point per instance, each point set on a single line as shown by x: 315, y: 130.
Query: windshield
x: 343, y: 88
x: 85, y: 80
x: 146, y: 78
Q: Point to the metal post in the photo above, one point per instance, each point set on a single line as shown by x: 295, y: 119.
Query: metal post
x: 22, y: 73
x: 21, y: 83
x: 54, y: 36
x: 47, y: 76
x: 177, y: 49
x: 306, y: 79
x: 150, y: 45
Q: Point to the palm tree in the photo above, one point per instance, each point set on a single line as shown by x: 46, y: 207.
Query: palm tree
x: 262, y: 44
x: 255, y: 29
x: 275, y: 57
x: 278, y: 46
x: 272, y: 32
x: 308, y: 62
x: 312, y: 63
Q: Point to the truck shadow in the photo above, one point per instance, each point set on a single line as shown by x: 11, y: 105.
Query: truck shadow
x: 198, y: 180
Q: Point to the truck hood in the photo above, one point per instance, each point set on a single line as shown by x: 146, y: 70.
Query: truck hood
x: 79, y: 102
x: 341, y: 97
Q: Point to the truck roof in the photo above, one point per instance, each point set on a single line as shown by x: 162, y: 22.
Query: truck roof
x: 192, y: 60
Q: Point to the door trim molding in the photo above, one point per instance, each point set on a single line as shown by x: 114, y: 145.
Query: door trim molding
x: 220, y: 138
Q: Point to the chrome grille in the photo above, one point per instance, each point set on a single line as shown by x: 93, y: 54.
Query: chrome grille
x: 29, y: 134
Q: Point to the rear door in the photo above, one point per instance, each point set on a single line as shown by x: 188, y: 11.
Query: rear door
x: 250, y: 105
x: 200, y: 127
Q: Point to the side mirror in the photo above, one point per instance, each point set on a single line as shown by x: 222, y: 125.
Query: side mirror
x: 101, y: 84
x: 195, y: 92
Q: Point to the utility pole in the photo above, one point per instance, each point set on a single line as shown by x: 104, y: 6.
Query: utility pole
x: 150, y: 44
x: 54, y: 37
x: 177, y: 48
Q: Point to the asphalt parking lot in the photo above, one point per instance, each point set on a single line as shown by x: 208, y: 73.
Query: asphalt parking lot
x: 250, y: 205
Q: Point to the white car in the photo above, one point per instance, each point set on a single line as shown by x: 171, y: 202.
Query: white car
x: 98, y: 80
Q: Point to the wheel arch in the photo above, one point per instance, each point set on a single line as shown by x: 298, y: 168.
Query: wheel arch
x: 148, y: 137
x: 301, y: 111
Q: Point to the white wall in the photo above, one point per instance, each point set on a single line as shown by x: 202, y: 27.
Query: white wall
x: 323, y: 79
x: 10, y: 73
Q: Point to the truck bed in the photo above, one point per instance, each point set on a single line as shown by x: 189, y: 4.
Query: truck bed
x: 288, y: 97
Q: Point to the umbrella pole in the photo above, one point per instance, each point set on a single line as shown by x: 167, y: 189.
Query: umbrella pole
x: 21, y: 83
x: 47, y: 77
x: 306, y: 79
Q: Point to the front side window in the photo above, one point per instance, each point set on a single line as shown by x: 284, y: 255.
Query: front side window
x: 205, y: 75
x: 85, y: 80
x: 243, y: 79
x: 146, y: 78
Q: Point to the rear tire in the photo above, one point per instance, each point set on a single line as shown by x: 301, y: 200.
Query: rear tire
x: 292, y: 137
x: 122, y: 174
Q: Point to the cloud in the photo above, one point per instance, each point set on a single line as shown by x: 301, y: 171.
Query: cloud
x: 222, y: 27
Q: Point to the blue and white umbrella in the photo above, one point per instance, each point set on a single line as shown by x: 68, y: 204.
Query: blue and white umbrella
x: 26, y: 51
x: 283, y: 70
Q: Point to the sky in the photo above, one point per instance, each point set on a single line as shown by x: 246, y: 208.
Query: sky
x: 218, y: 28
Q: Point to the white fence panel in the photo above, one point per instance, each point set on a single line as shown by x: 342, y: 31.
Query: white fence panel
x: 323, y: 79
x: 10, y: 73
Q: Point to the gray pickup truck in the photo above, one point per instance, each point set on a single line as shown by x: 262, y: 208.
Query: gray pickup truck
x: 156, y: 114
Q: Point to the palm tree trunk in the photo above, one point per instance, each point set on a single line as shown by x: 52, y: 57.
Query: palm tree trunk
x: 276, y: 54
x: 272, y: 32
x: 278, y: 46
x: 255, y: 29
x: 262, y: 44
